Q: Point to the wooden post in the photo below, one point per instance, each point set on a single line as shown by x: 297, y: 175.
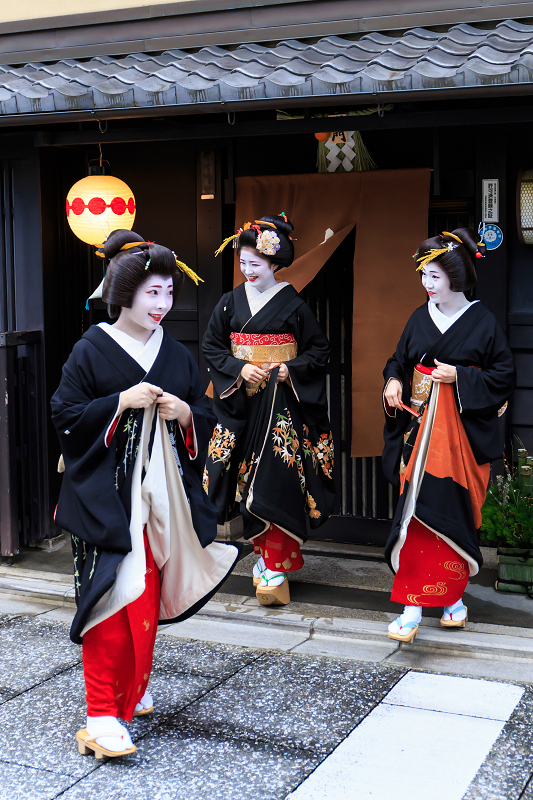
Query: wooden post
x: 9, y: 528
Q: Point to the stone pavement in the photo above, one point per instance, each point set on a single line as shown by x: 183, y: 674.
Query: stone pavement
x: 311, y: 701
x: 241, y: 722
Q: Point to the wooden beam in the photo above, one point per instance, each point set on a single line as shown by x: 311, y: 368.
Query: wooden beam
x: 222, y: 130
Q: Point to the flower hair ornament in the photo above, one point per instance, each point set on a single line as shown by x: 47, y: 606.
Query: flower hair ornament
x: 267, y: 242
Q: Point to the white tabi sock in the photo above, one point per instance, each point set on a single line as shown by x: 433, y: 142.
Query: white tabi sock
x: 259, y: 568
x: 268, y: 574
x: 450, y: 612
x: 146, y: 701
x: 410, y: 614
x: 114, y: 736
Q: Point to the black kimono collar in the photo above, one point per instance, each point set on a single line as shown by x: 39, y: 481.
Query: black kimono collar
x: 272, y: 315
x: 443, y: 345
x: 130, y: 369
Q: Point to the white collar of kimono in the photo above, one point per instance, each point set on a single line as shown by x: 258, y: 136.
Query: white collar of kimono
x: 441, y: 320
x: 257, y: 299
x: 144, y: 354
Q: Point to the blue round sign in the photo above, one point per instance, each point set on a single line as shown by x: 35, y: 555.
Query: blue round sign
x: 492, y: 236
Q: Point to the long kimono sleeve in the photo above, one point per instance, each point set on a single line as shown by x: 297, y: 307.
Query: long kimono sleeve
x: 224, y: 369
x: 203, y: 419
x: 89, y: 506
x: 400, y: 367
x: 307, y: 371
x: 485, y: 390
x: 81, y: 419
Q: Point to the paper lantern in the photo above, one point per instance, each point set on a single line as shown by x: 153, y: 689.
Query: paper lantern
x: 524, y: 206
x: 97, y: 205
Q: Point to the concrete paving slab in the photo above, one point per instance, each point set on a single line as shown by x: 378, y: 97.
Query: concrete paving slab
x: 512, y: 669
x: 352, y: 628
x: 338, y: 647
x: 506, y: 771
x: 180, y: 761
x: 254, y: 612
x: 465, y: 696
x: 29, y: 783
x: 64, y: 614
x: 179, y: 656
x: 294, y: 701
x: 243, y: 635
x: 16, y: 605
x: 39, y: 726
x: 33, y: 650
x: 463, y: 641
x: 357, y: 770
x: 36, y: 588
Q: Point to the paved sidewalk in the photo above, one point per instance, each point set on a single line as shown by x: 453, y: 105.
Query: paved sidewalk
x: 238, y: 723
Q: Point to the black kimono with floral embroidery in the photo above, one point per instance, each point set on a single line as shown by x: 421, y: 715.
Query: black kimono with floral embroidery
x: 272, y: 448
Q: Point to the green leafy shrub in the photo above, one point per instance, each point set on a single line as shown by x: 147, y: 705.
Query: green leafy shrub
x: 508, y: 513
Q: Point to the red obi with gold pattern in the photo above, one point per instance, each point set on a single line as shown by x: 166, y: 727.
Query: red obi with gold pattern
x: 263, y: 349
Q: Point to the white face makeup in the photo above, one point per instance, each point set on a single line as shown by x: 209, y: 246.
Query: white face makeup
x: 256, y: 269
x: 437, y: 284
x: 152, y: 301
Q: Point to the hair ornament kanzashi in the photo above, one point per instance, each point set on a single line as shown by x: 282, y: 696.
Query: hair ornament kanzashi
x: 430, y: 255
x: 246, y: 227
x: 263, y: 223
x: 267, y: 243
x: 435, y: 252
x: 148, y: 262
x: 187, y: 270
x: 130, y: 245
x: 452, y: 236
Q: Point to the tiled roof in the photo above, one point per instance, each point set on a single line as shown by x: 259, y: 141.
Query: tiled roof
x: 420, y: 59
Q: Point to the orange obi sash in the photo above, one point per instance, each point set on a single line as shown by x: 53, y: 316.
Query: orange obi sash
x: 263, y: 349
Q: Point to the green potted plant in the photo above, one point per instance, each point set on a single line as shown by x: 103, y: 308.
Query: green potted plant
x: 508, y: 523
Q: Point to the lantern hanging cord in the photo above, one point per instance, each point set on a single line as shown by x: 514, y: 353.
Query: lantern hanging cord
x: 102, y: 124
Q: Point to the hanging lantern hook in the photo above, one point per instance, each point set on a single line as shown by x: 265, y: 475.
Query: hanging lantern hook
x: 102, y: 124
x: 231, y: 117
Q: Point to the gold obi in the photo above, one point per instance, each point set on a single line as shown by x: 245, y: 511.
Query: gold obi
x: 263, y: 349
x: 420, y: 385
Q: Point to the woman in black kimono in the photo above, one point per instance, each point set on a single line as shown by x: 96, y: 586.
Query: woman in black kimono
x: 131, y: 417
x: 272, y: 448
x: 444, y: 389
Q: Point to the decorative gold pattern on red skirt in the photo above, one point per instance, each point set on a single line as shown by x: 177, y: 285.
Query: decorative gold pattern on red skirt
x: 431, y: 573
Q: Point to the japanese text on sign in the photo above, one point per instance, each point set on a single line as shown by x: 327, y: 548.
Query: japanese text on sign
x: 490, y: 200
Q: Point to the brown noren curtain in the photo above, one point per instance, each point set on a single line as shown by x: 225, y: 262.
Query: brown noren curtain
x: 390, y: 210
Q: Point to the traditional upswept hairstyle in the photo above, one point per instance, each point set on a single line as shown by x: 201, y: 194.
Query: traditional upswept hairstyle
x: 458, y: 262
x: 129, y: 268
x: 283, y: 229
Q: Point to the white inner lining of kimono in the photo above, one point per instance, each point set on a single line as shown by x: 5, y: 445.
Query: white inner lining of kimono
x: 189, y: 571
